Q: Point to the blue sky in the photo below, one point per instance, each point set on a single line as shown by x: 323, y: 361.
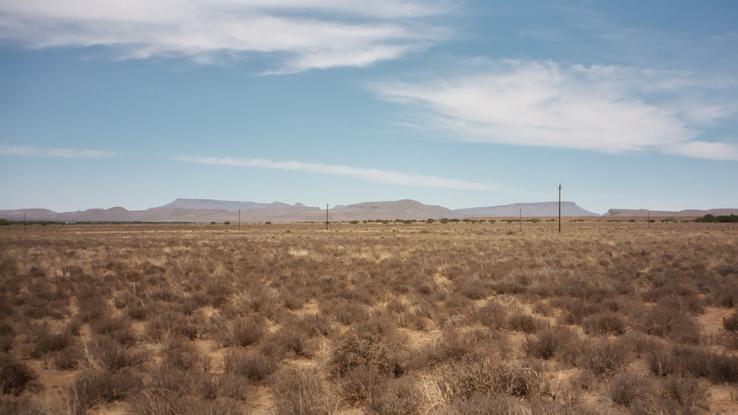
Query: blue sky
x: 460, y: 103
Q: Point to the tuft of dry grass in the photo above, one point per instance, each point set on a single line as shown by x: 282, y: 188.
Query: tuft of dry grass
x: 302, y: 392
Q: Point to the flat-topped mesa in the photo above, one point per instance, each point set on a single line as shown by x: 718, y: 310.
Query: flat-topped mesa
x: 535, y: 209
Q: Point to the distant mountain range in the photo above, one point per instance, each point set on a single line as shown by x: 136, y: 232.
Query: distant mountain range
x: 208, y: 210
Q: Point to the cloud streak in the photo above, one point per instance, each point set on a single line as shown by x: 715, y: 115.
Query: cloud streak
x: 372, y: 175
x: 70, y: 153
x: 301, y: 34
x: 602, y: 108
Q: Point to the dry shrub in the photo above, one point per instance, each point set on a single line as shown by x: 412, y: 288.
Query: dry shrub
x: 456, y: 344
x: 169, y: 379
x: 642, y: 394
x: 640, y: 344
x: 724, y: 292
x: 604, y: 323
x: 118, y: 329
x: 293, y: 337
x: 492, y: 315
x: 684, y: 396
x: 263, y: 299
x: 694, y: 361
x: 161, y: 403
x: 302, y: 392
x: 543, y: 309
x: 548, y: 342
x: 636, y: 392
x: 227, y: 385
x: 217, y: 291
x: 91, y: 305
x: 346, y: 312
x: 293, y: 341
x: 106, y: 354
x: 395, y: 397
x: 243, y: 331
x: 387, y: 354
x: 549, y: 407
x: 170, y: 323
x: 673, y: 323
x: 47, y: 342
x: 253, y: 364
x: 575, y: 310
x: 484, y: 404
x: 15, y: 376
x: 463, y: 380
x: 68, y: 358
x: 508, y: 286
x: 360, y: 384
x: 600, y: 356
x: 731, y: 323
x: 524, y: 322
x: 93, y: 387
x: 672, y: 294
x: 314, y: 325
x: 181, y: 354
x: 473, y: 288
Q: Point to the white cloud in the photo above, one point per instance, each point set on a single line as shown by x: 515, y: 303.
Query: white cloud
x: 705, y: 150
x: 31, y: 151
x: 373, y: 175
x: 305, y: 33
x: 603, y: 108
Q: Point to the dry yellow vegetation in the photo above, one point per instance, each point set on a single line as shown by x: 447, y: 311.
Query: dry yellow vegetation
x: 455, y: 318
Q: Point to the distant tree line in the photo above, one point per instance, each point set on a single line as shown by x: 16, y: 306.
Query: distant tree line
x: 718, y: 219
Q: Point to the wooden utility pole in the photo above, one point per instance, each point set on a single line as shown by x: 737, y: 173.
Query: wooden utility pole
x: 559, y: 207
x: 326, y: 216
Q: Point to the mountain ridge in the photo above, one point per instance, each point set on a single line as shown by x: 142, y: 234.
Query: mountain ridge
x: 209, y: 210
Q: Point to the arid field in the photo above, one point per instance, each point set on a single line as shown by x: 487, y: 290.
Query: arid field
x: 421, y: 318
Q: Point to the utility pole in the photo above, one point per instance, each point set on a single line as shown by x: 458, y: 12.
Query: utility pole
x: 326, y: 216
x: 559, y: 207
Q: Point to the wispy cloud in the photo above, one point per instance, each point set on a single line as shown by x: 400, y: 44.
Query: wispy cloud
x: 71, y: 153
x: 603, y: 108
x: 373, y: 175
x: 305, y: 34
x: 705, y: 150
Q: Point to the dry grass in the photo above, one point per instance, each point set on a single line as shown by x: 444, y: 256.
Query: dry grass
x: 457, y: 318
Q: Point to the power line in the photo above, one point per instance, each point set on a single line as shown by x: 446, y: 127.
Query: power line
x: 560, y: 207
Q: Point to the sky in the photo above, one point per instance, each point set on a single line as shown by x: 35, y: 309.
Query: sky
x: 461, y: 103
